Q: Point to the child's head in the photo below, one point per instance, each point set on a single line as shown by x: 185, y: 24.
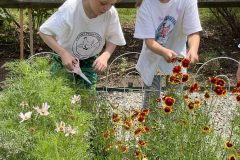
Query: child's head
x: 101, y: 6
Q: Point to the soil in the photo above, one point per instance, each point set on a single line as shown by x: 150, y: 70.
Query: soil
x: 214, y: 39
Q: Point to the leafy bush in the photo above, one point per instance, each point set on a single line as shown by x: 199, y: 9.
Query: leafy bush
x: 180, y: 124
x: 55, y: 127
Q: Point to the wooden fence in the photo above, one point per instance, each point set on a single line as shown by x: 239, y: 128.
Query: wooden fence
x: 56, y: 3
x: 122, y: 4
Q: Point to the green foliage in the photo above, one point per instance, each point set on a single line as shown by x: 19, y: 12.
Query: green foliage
x: 127, y: 16
x: 36, y: 138
x: 179, y: 135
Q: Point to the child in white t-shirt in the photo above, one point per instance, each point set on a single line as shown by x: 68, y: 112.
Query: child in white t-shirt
x: 81, y: 29
x: 165, y: 26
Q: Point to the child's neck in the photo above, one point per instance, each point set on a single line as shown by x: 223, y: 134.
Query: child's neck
x: 164, y: 1
x: 88, y: 10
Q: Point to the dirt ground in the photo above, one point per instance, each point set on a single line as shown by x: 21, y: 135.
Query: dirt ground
x: 214, y: 39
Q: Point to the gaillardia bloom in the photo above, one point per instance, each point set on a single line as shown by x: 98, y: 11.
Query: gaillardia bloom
x: 206, y: 95
x: 190, y: 106
x: 206, y: 129
x: 238, y: 84
x: 194, y: 88
x: 238, y: 98
x: 167, y: 109
x: 232, y: 157
x: 177, y: 69
x: 174, y: 79
x: 220, y: 91
x: 185, y: 63
x: 106, y: 134
x: 138, y: 131
x: 185, y: 78
x: 135, y: 114
x: 235, y: 90
x: 141, y: 143
x: 220, y: 82
x: 141, y: 119
x: 144, y: 112
x: 169, y: 101
x: 137, y: 153
x: 145, y: 129
x: 127, y: 124
x: 116, y: 117
x: 228, y: 144
x: 123, y: 148
x: 213, y: 80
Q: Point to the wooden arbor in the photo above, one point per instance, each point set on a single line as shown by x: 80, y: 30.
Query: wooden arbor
x: 56, y: 3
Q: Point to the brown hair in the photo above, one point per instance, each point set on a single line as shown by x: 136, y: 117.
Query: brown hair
x: 138, y: 3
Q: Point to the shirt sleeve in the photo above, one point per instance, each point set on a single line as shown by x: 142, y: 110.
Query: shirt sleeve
x: 56, y: 25
x: 144, y: 27
x: 114, y: 31
x: 191, y: 20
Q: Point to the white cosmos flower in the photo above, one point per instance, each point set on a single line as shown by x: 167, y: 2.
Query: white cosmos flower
x: 61, y: 127
x: 23, y: 104
x: 25, y: 116
x: 70, y: 131
x: 75, y: 99
x: 44, y: 110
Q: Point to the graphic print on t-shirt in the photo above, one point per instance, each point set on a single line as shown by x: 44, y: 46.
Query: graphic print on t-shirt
x: 86, y: 44
x: 164, y: 29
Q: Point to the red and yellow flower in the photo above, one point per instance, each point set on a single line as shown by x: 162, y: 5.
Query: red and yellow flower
x: 220, y: 82
x: 116, y: 117
x: 213, y: 80
x: 167, y: 109
x: 169, y: 101
x: 232, y: 157
x: 190, y: 105
x: 220, y: 91
x: 175, y: 79
x: 127, y: 124
x: 185, y: 78
x: 228, y: 144
x: 194, y: 88
x: 185, y: 63
x: 123, y: 148
x: 206, y: 129
x: 142, y: 143
x: 206, y: 95
x: 238, y: 98
x: 138, y: 131
x: 177, y: 69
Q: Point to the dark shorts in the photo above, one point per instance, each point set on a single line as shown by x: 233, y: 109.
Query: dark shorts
x: 86, y: 67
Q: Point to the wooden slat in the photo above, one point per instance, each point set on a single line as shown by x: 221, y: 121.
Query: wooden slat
x: 30, y: 30
x: 122, y: 4
x: 21, y: 36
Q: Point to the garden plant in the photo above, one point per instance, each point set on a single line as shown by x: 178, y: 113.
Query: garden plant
x: 47, y: 117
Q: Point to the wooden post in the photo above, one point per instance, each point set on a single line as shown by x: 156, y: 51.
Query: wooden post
x: 21, y: 37
x: 30, y: 30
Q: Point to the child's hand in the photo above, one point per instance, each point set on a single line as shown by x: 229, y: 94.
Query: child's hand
x: 192, y: 56
x: 168, y: 55
x: 100, y: 64
x: 68, y: 61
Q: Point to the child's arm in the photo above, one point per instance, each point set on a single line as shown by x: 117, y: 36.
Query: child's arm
x: 155, y: 47
x: 100, y: 64
x: 67, y: 59
x: 238, y: 73
x: 193, y: 43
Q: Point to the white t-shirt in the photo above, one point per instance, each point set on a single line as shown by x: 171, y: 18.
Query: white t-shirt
x: 169, y: 24
x: 79, y: 35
